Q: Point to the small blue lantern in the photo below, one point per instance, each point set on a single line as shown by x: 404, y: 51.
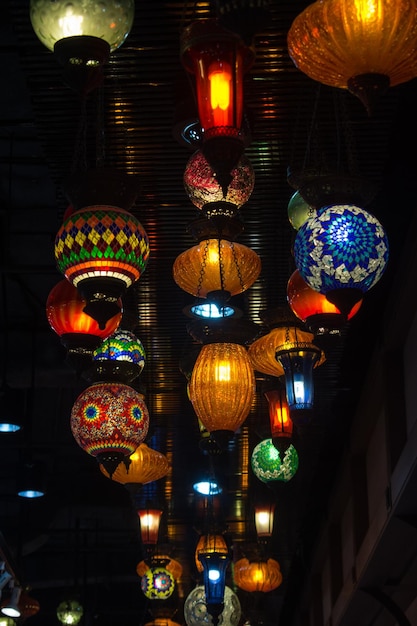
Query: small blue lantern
x: 214, y: 574
x: 341, y: 252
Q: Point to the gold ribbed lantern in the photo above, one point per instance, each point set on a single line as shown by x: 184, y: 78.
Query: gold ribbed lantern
x: 216, y: 265
x: 261, y: 576
x: 209, y: 543
x: 222, y: 387
x: 146, y: 465
x: 365, y: 46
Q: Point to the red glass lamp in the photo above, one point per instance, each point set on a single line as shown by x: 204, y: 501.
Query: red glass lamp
x: 149, y: 525
x: 101, y: 250
x: 77, y: 330
x: 279, y: 418
x: 263, y: 576
x: 218, y: 58
x: 319, y: 314
x: 109, y: 421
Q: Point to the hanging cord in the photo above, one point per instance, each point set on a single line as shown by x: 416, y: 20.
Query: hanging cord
x: 100, y: 131
x: 79, y: 159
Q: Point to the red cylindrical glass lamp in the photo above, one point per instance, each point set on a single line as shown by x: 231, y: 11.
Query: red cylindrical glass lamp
x: 279, y: 418
x: 149, y: 525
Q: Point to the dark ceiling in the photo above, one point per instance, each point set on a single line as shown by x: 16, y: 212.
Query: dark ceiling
x: 85, y: 530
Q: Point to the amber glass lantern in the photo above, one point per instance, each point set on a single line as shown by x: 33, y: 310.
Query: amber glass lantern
x: 149, y: 525
x: 356, y: 45
x: 263, y: 576
x: 312, y: 307
x: 264, y: 520
x: 209, y: 543
x: 145, y: 465
x: 216, y: 266
x: 279, y: 418
x: 222, y: 388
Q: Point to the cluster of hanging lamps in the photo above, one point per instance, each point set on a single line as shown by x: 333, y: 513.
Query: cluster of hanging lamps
x: 257, y: 575
x: 270, y: 465
x: 82, y: 34
x: 314, y: 309
x: 365, y: 46
x: 218, y: 59
x: 341, y: 252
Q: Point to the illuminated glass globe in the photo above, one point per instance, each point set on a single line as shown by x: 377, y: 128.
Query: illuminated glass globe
x: 157, y: 583
x: 69, y: 612
x: 110, y: 20
x: 343, y: 247
x: 196, y: 614
x: 268, y: 464
x: 203, y: 187
x: 299, y: 210
x: 119, y: 357
x: 109, y: 421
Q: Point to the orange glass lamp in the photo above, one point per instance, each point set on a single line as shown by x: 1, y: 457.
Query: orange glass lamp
x: 261, y: 576
x: 149, y: 525
x: 145, y: 465
x: 209, y: 543
x: 355, y: 45
x: 222, y: 388
x: 279, y: 418
x: 319, y: 314
x: 264, y: 520
x: 218, y: 59
x: 216, y: 269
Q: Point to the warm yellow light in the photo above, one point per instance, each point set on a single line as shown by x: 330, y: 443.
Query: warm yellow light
x: 70, y: 24
x: 220, y: 77
x: 222, y: 372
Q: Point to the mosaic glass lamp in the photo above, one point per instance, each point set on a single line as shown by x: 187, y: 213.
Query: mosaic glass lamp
x: 145, y: 465
x: 356, y: 44
x: 205, y: 191
x: 341, y: 252
x: 263, y: 576
x: 109, y: 421
x: 119, y: 357
x: 101, y: 250
x: 196, y: 614
x: 269, y: 465
x: 157, y: 583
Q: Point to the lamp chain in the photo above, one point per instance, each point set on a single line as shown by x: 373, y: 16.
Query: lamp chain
x: 221, y: 266
x: 202, y: 268
x: 239, y: 273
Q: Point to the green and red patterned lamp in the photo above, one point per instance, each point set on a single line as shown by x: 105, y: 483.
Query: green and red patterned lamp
x: 120, y: 357
x: 102, y: 250
x: 109, y: 421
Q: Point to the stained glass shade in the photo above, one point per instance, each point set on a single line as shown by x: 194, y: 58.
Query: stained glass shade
x: 269, y: 465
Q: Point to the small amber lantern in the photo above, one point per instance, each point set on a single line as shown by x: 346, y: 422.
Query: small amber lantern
x: 264, y: 520
x: 209, y: 543
x: 263, y: 576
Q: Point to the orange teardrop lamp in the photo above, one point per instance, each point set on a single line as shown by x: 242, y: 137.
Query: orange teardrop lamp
x: 365, y: 46
x: 222, y: 388
x: 263, y: 576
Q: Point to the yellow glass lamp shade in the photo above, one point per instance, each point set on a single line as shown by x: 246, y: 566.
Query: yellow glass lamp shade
x: 262, y: 351
x: 110, y: 20
x: 69, y: 612
x: 146, y: 465
x: 222, y: 387
x: 264, y: 576
x: 216, y: 265
x: 361, y: 45
x: 157, y: 583
x: 209, y: 543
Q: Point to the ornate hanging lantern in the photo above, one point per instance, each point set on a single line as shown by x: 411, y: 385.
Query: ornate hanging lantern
x: 341, y: 252
x: 145, y: 465
x: 101, y: 250
x: 196, y: 613
x: 157, y: 583
x: 149, y: 525
x: 355, y: 45
x: 279, y: 418
x: 264, y: 520
x: 269, y: 465
x: 313, y: 308
x: 120, y: 357
x: 109, y: 421
x: 214, y: 574
x: 263, y: 576
x: 209, y: 543
x: 78, y: 331
x: 82, y: 34
x: 203, y: 187
x: 218, y: 58
x: 222, y: 388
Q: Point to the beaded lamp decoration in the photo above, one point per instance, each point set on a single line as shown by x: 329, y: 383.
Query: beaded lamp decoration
x: 109, y: 421
x: 119, y: 357
x: 268, y: 465
x: 157, y: 583
x: 196, y: 614
x: 204, y: 190
x: 341, y: 252
x: 263, y: 575
x: 101, y: 250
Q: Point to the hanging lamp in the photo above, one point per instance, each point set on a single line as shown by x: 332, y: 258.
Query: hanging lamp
x: 119, y: 357
x: 157, y: 583
x: 218, y: 59
x: 341, y: 252
x: 101, y: 250
x: 264, y: 520
x: 214, y: 564
x: 280, y: 421
x: 364, y: 46
x: 145, y: 465
x: 196, y: 611
x: 269, y: 465
x: 258, y: 575
x: 82, y: 34
x: 150, y: 520
x: 69, y: 612
x: 210, y: 542
x: 109, y: 421
x: 299, y: 210
x: 313, y: 308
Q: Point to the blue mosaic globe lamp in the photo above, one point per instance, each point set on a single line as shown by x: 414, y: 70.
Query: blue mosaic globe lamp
x: 341, y: 252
